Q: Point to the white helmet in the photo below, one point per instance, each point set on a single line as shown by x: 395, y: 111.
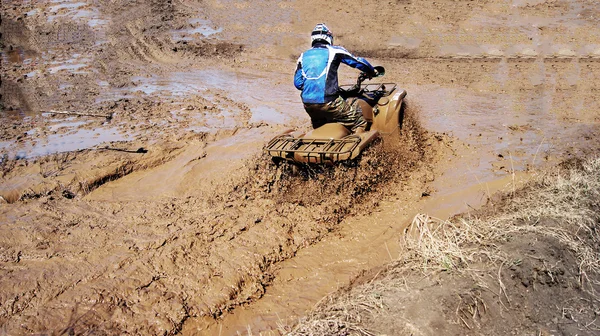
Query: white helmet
x: 321, y: 34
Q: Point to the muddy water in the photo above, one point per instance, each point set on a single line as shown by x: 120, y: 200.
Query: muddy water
x: 267, y: 100
x: 60, y: 135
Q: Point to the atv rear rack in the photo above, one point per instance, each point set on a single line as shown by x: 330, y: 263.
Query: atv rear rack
x: 313, y: 150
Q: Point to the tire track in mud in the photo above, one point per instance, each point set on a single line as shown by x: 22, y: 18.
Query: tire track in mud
x: 143, y: 35
x: 163, y: 262
x: 72, y: 174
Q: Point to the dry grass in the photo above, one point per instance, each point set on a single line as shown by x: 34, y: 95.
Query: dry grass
x: 568, y: 197
x: 343, y: 315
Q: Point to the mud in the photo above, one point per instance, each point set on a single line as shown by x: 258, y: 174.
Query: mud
x: 146, y: 206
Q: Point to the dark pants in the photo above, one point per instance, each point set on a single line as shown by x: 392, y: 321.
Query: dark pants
x: 337, y: 111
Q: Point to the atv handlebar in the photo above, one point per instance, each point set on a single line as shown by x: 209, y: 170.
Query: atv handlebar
x: 378, y: 71
x: 356, y: 88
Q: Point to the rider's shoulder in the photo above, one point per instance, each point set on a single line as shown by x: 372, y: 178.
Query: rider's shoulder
x: 338, y: 49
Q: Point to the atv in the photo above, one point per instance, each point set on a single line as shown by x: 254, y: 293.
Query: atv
x: 381, y: 105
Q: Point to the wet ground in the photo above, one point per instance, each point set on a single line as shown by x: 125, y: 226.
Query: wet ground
x: 135, y: 194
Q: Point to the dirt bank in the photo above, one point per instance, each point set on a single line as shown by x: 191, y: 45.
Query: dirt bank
x: 135, y: 197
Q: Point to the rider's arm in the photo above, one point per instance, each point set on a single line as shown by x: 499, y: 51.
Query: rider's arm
x: 298, y: 78
x: 357, y: 62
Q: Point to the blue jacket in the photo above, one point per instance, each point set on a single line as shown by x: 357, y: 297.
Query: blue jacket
x: 316, y: 73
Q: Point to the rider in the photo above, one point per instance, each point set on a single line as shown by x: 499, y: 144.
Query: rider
x: 316, y: 76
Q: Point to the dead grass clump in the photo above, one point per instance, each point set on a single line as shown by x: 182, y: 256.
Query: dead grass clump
x: 439, y: 245
x: 342, y: 315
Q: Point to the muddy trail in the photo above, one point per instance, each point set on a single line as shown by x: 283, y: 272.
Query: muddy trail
x: 135, y: 197
x: 166, y: 261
